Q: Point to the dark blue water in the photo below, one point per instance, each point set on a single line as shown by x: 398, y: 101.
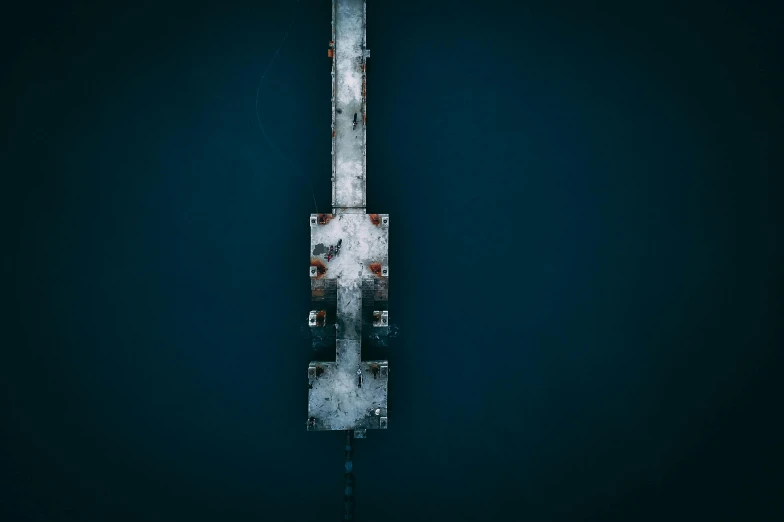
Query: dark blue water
x: 584, y: 252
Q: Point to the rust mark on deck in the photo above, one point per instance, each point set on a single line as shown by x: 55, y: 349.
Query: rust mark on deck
x: 321, y: 269
x: 375, y: 219
x: 375, y: 268
x: 323, y: 219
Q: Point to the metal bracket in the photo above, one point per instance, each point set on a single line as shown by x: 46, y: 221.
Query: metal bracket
x: 381, y: 318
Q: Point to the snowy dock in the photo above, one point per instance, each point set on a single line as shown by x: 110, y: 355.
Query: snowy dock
x: 349, y: 267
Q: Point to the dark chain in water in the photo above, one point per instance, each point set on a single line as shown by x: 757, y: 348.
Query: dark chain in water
x: 348, y: 492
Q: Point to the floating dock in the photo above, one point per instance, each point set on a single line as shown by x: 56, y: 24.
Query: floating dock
x: 349, y: 268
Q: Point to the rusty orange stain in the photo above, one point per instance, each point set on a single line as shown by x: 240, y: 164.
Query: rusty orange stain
x: 321, y: 269
x: 375, y: 219
x: 321, y: 317
x: 330, y: 53
x: 325, y: 218
x: 375, y: 268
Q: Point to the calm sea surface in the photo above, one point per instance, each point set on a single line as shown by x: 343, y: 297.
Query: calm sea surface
x: 583, y: 254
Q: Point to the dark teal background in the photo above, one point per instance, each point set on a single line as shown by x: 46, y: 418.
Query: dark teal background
x: 586, y: 264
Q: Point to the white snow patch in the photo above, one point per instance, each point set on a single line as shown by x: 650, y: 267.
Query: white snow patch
x: 362, y: 243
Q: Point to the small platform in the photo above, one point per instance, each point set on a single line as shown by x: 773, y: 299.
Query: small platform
x: 337, y: 402
x: 347, y: 246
